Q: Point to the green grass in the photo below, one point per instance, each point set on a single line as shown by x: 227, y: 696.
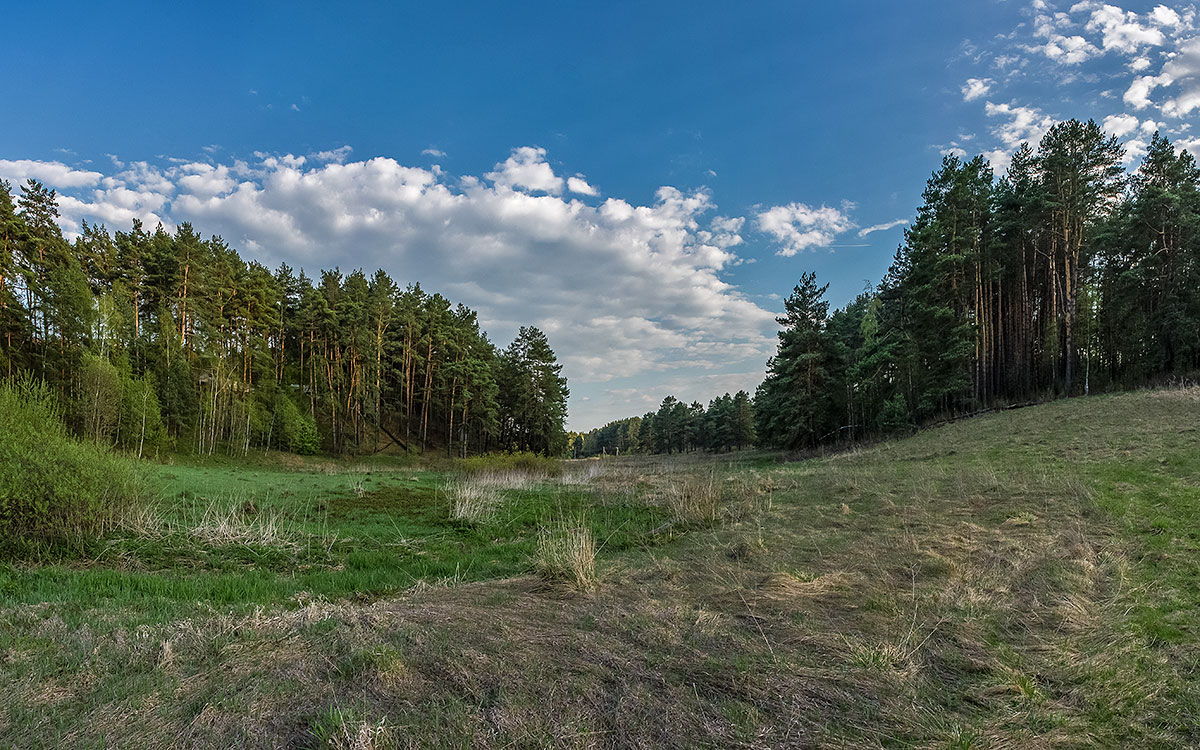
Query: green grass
x: 360, y: 531
x: 1025, y: 579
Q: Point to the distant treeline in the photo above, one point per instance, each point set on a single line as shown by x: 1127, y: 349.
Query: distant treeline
x: 154, y: 339
x: 1064, y: 276
x: 727, y: 424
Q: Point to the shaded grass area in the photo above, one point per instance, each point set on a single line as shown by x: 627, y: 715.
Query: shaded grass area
x: 1027, y: 579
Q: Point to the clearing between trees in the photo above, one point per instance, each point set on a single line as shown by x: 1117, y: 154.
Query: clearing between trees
x: 1022, y: 579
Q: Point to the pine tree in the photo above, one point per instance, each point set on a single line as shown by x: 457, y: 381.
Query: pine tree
x: 533, y: 394
x: 790, y: 411
x: 1081, y: 174
x: 743, y: 420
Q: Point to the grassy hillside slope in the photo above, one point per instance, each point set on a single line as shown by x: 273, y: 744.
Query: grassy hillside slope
x: 1023, y: 579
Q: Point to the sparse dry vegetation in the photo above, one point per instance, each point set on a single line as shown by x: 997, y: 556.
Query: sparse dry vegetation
x: 340, y: 730
x: 566, y: 553
x: 582, y: 472
x: 223, y: 521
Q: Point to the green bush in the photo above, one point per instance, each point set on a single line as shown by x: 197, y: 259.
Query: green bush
x: 307, y: 441
x: 54, y: 487
x: 142, y: 430
x: 533, y: 464
x: 296, y: 429
x: 895, y: 416
x: 98, y: 399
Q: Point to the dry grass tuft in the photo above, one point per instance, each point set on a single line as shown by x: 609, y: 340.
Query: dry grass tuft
x: 472, y: 500
x: 223, y: 522
x: 893, y: 659
x: 582, y: 472
x: 341, y: 732
x: 222, y: 526
x: 694, y: 501
x: 783, y: 586
x: 506, y: 479
x: 566, y: 553
x: 617, y: 481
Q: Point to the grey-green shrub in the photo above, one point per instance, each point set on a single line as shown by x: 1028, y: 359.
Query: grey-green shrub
x: 52, y: 485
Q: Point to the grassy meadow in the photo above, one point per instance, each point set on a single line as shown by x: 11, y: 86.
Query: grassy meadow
x: 1022, y: 579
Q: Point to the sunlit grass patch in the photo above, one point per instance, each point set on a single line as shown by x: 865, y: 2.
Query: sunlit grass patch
x: 342, y: 729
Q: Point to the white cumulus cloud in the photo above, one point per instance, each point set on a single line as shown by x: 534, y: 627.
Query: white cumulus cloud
x: 797, y: 227
x: 1120, y: 125
x: 527, y: 168
x: 53, y: 173
x: 1018, y: 124
x: 1153, y: 56
x: 976, y: 88
x: 1121, y: 30
x: 1182, y: 72
x: 339, y: 154
x: 579, y: 185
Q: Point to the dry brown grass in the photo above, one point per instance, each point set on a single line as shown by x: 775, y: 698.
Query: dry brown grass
x: 473, y: 500
x: 566, y: 553
x: 582, y: 472
x: 222, y: 521
x: 508, y: 479
x: 360, y: 735
x: 694, y: 500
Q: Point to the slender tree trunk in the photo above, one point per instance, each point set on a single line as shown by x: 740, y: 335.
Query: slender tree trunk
x: 142, y: 438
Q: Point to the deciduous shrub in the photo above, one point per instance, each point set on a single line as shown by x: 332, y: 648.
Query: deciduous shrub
x: 296, y: 429
x: 54, y: 487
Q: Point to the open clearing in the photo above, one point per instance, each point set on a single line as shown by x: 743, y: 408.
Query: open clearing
x: 1028, y: 578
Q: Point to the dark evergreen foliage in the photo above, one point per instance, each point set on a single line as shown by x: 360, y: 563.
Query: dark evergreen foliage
x: 726, y: 424
x: 1062, y: 277
x: 168, y: 340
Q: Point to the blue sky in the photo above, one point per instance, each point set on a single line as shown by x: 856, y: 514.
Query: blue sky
x: 644, y: 181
